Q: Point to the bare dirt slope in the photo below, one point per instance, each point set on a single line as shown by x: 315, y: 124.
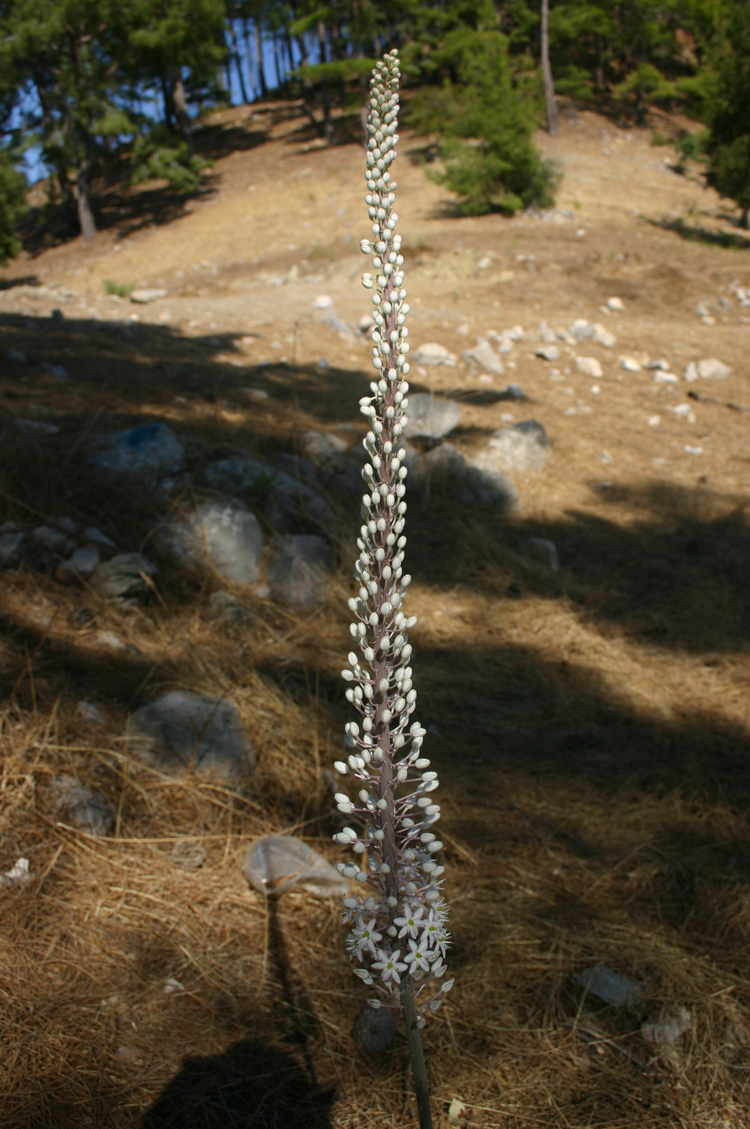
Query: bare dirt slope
x: 591, y: 725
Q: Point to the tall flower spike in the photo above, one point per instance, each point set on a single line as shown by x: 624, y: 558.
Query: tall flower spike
x: 398, y: 940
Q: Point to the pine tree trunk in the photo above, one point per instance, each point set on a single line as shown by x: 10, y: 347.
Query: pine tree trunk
x: 83, y: 201
x: 166, y: 94
x: 249, y: 56
x: 180, y: 107
x: 238, y: 64
x: 259, y: 52
x: 549, y: 86
x: 324, y: 85
x: 745, y: 219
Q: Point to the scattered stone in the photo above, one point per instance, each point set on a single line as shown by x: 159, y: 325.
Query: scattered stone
x: 690, y: 450
x: 581, y: 330
x: 515, y: 333
x: 111, y: 641
x: 595, y: 390
x: 589, y: 366
x: 299, y: 571
x: 725, y: 305
x: 18, y: 874
x: 57, y: 371
x: 54, y: 540
x: 691, y: 372
x: 608, y: 986
x: 665, y: 377
x: 702, y: 310
x: 708, y: 320
x: 653, y: 421
x: 544, y: 551
x: 484, y: 356
x: 463, y: 329
x: 11, y: 549
x: 183, y: 730
x: 279, y: 862
x: 565, y: 337
x: 602, y: 336
x: 375, y: 1029
x: 668, y: 1029
x: 122, y: 580
x: 16, y: 356
x: 630, y: 364
x: 606, y: 457
x: 659, y: 364
x: 545, y: 334
x: 227, y: 608
x: 711, y: 369
x: 67, y: 524
x: 322, y: 302
x: 615, y: 304
x: 188, y: 854
x: 323, y: 364
x: 151, y: 452
x: 524, y: 446
x: 548, y: 352
x: 344, y: 330
x: 319, y: 446
x: 146, y: 295
x: 485, y: 487
x: 82, y: 806
x: 287, y: 503
x: 513, y: 392
x: 430, y: 418
x: 91, y: 713
x: 685, y: 411
x: 91, y: 533
x: 37, y: 426
x: 82, y: 563
x: 257, y: 395
x: 433, y: 354
x: 220, y: 534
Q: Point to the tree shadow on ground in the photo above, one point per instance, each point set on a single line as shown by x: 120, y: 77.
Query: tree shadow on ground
x: 697, y: 234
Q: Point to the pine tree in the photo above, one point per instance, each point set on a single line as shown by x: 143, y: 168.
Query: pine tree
x: 13, y: 189
x: 728, y: 144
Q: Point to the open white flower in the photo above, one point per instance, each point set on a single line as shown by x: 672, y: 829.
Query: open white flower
x: 389, y: 966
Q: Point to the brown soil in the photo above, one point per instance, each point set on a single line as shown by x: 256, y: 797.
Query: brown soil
x: 591, y: 726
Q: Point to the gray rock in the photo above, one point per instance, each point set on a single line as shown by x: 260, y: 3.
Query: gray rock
x: 630, y: 364
x: 91, y: 533
x: 608, y: 986
x: 11, y: 548
x: 513, y: 392
x: 589, y: 366
x: 82, y: 563
x: 57, y: 371
x: 545, y: 334
x: 16, y: 356
x: 711, y: 369
x: 725, y: 304
x: 431, y: 418
x: 151, y: 453
x: 544, y: 551
x: 121, y: 580
x: 524, y: 446
x: 37, y: 427
x: 91, y: 713
x: 301, y: 470
x: 82, y: 806
x: 445, y: 462
x: 691, y: 372
x: 670, y: 1027
x: 191, y: 731
x: 375, y: 1029
x: 53, y: 539
x: 344, y: 330
x: 432, y: 354
x: 485, y: 487
x: 228, y: 609
x: 660, y: 365
x: 485, y: 357
x: 565, y: 337
x: 287, y: 503
x: 602, y: 336
x: 702, y: 310
x: 220, y: 534
x: 548, y: 352
x: 582, y: 330
x: 299, y: 571
x: 319, y: 446
x: 146, y: 295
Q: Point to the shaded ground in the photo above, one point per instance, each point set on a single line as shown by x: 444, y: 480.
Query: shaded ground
x: 591, y: 726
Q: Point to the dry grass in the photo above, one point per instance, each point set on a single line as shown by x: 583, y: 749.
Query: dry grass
x: 591, y: 729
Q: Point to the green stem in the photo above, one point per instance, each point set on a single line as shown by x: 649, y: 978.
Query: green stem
x: 419, y: 1069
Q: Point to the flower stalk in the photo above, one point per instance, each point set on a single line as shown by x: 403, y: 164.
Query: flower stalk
x: 398, y: 937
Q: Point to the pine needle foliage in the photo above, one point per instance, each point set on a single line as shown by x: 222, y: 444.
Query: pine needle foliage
x: 484, y: 116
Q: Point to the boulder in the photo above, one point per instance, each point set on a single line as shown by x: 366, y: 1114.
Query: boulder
x: 432, y: 354
x: 524, y: 446
x: 288, y: 503
x: 191, y: 731
x: 548, y: 352
x: 227, y: 608
x: 542, y: 550
x: 430, y: 418
x: 485, y: 357
x: 81, y: 806
x: 711, y: 369
x: 220, y: 534
x: 11, y: 548
x: 80, y: 565
x: 319, y: 446
x: 299, y: 570
x: 485, y: 487
x: 121, y: 580
x: 151, y: 453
